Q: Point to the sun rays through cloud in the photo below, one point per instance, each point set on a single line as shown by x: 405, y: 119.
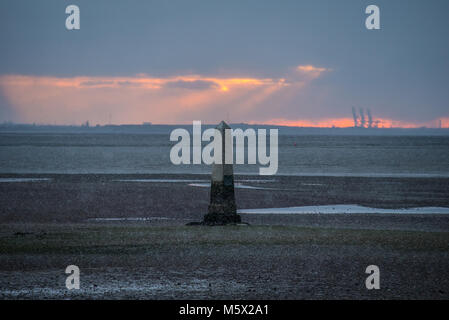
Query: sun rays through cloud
x: 176, y: 99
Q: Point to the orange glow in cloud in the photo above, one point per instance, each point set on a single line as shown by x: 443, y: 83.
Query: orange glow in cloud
x: 311, y: 71
x: 139, y: 82
x: 177, y: 99
x: 349, y: 122
x: 170, y: 100
x: 339, y: 122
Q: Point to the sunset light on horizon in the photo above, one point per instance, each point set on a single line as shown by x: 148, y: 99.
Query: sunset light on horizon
x: 205, y: 63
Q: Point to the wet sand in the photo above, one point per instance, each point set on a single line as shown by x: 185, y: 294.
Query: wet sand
x: 77, y: 198
x: 48, y: 225
x: 244, y: 262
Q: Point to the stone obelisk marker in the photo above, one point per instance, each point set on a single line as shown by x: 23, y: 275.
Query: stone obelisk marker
x: 222, y: 209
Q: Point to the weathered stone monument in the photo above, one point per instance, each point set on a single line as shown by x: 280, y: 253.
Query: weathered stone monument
x: 222, y: 209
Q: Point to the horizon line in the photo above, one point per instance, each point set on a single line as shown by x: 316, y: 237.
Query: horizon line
x: 149, y: 124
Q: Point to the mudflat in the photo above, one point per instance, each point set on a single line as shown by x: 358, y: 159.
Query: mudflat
x: 134, y: 261
x: 66, y: 198
x: 130, y: 241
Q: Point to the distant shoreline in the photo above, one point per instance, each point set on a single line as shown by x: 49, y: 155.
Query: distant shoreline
x: 167, y: 128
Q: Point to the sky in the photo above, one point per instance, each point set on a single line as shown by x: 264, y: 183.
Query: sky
x: 304, y: 63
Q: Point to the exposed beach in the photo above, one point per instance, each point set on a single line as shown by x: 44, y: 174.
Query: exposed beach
x: 228, y: 150
x: 128, y: 236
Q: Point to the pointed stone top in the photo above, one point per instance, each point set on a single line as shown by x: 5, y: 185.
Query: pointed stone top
x: 222, y: 126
